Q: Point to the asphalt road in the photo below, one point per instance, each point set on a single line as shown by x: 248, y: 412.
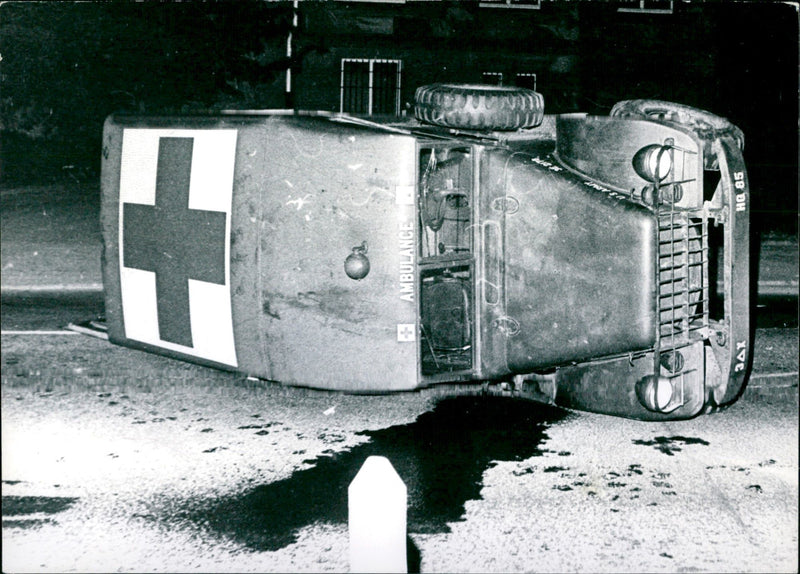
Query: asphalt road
x: 115, y: 459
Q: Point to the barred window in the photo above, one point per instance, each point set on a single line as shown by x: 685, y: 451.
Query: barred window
x: 526, y: 80
x: 370, y: 86
x: 493, y: 78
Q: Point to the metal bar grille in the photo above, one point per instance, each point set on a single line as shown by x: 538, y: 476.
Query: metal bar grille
x: 526, y: 80
x: 355, y: 86
x: 492, y: 78
x: 682, y: 291
x: 682, y: 278
x: 370, y: 86
x: 386, y: 87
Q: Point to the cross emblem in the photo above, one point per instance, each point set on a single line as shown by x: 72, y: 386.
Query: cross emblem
x: 174, y: 242
x: 406, y: 332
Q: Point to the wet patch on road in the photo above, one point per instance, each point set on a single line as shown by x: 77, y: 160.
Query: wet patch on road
x: 632, y: 483
x: 441, y: 457
x: 32, y: 511
x: 745, y: 471
x: 668, y: 445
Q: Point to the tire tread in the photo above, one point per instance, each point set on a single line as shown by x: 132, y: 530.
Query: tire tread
x: 478, y: 107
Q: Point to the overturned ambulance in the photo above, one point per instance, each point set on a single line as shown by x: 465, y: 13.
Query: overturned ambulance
x: 597, y: 263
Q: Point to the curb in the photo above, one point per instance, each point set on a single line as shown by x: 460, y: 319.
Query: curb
x: 11, y: 292
x: 765, y: 386
x: 766, y: 288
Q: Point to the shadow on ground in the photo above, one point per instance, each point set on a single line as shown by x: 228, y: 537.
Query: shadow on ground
x: 441, y: 458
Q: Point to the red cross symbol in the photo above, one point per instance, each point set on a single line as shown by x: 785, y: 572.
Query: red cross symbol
x: 174, y: 242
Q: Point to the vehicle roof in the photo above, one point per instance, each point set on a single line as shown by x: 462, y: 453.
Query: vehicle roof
x: 388, y: 124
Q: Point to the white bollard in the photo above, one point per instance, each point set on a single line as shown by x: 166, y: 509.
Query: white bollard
x: 377, y: 508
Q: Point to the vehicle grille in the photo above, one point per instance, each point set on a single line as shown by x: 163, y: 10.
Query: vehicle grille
x: 682, y: 279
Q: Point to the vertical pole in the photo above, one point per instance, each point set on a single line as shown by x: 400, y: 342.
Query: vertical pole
x: 289, y: 96
x: 341, y: 89
x: 369, y: 90
x: 398, y: 91
x: 377, y: 518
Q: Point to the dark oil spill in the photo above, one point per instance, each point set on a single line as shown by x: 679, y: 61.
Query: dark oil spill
x: 22, y: 507
x: 441, y: 458
x: 669, y: 445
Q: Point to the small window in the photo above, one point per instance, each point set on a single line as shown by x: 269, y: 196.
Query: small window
x: 446, y: 320
x: 445, y: 198
x: 493, y: 78
x: 370, y: 86
x: 526, y: 81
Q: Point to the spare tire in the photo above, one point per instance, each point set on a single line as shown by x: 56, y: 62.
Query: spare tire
x: 705, y: 125
x: 478, y: 107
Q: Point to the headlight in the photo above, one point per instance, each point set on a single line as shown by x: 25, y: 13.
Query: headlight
x: 659, y: 394
x: 653, y: 162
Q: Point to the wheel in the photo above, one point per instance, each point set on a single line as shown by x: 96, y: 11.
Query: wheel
x: 478, y: 107
x: 706, y: 126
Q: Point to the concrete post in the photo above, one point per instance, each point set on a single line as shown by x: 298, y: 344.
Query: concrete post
x: 377, y: 518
